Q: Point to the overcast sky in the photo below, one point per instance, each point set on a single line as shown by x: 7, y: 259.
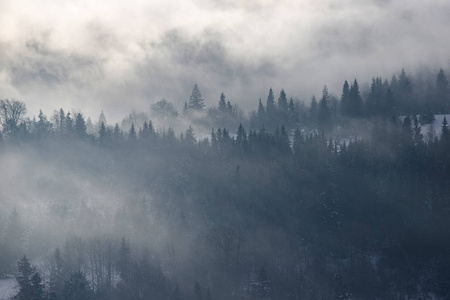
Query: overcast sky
x: 124, y: 55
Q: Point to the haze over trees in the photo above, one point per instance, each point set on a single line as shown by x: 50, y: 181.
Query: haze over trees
x: 343, y: 197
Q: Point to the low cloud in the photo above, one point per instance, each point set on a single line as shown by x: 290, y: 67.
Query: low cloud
x: 120, y: 57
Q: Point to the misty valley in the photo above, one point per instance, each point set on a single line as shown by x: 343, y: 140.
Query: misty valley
x: 342, y: 196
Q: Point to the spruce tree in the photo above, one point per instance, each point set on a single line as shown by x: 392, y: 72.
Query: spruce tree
x: 102, y: 133
x: 282, y: 101
x: 29, y: 282
x: 222, y: 103
x: 270, y: 105
x: 355, y: 100
x: 80, y: 126
x: 196, y: 101
x: 261, y: 113
x: 324, y: 115
x: 442, y: 92
x: 345, y: 101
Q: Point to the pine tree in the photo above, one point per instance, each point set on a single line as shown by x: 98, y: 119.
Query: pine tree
x: 195, y: 100
x: 282, y: 101
x: 445, y: 132
x: 403, y: 93
x: 189, y: 135
x: 313, y: 111
x: 355, y: 100
x: 29, y: 282
x: 442, y: 91
x: 132, y: 136
x: 293, y: 114
x: 345, y: 101
x: 80, y: 126
x: 324, y: 115
x: 43, y: 126
x: 102, y: 118
x: 270, y: 106
x: 261, y: 113
x: 102, y: 133
x: 185, y: 109
x: 222, y: 103
x: 418, y: 136
x: 117, y: 133
x: 62, y: 120
x: 69, y: 124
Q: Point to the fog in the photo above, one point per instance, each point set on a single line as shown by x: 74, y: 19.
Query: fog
x: 117, y: 57
x: 344, y: 196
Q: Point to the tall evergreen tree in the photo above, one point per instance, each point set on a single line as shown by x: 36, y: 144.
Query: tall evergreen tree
x: 355, y: 100
x: 442, y: 91
x: 324, y: 115
x: 445, y: 132
x: 282, y: 101
x: 313, y: 111
x: 292, y: 111
x: 345, y: 101
x: 29, y: 282
x: 270, y: 108
x: 404, y: 94
x: 196, y: 101
x: 261, y: 112
x: 62, y: 120
x: 102, y: 133
x: 80, y: 126
x: 222, y: 103
x: 132, y: 136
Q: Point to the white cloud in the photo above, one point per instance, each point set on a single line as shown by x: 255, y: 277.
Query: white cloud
x: 116, y: 56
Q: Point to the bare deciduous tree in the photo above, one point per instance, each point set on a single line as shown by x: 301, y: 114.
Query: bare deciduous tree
x: 11, y: 112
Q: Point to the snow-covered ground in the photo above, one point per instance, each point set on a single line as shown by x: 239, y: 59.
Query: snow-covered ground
x: 434, y: 129
x: 7, y: 288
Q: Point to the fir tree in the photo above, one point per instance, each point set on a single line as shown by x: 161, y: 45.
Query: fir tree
x: 313, y: 110
x: 442, y: 91
x: 222, y: 103
x: 29, y: 282
x: 132, y: 136
x: 261, y: 113
x: 270, y: 104
x: 355, y: 100
x: 282, y: 101
x: 80, y: 126
x: 102, y: 133
x: 345, y: 101
x: 445, y: 132
x: 324, y: 115
x: 195, y: 100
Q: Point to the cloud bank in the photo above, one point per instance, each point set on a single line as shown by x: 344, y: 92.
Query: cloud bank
x: 117, y: 57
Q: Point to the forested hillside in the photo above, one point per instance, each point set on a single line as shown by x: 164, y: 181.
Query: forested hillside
x: 340, y: 197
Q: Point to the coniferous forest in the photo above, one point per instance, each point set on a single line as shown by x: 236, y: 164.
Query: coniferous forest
x: 340, y: 196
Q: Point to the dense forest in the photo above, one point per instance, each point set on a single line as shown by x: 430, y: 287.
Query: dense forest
x: 340, y: 197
